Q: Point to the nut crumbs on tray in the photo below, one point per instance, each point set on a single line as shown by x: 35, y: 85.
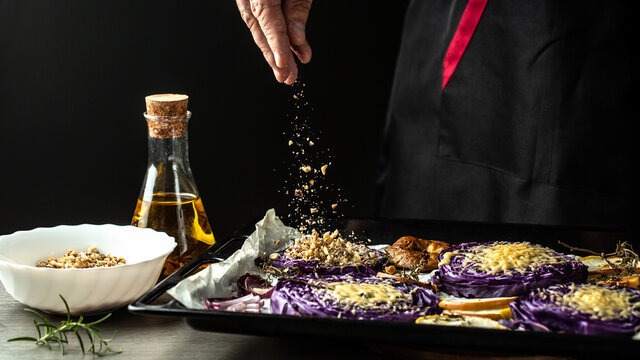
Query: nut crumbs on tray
x: 82, y: 260
x: 329, y: 249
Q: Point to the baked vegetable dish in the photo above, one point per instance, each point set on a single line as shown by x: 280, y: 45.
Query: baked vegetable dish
x: 500, y: 268
x: 591, y: 309
x: 499, y: 285
x: 327, y: 254
x: 354, y: 296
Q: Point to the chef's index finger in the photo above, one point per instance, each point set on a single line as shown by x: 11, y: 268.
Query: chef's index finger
x: 258, y: 37
x: 271, y: 20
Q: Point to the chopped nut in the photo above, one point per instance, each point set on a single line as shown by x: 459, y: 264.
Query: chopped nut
x: 311, y: 143
x: 333, y: 206
x: 273, y: 256
x: 306, y: 187
x: 324, y: 169
x: 311, y: 182
x: 72, y: 259
x: 306, y: 168
x: 290, y: 142
x: 277, y: 242
x: 390, y: 269
x: 313, y: 210
x: 298, y: 192
x: 330, y: 249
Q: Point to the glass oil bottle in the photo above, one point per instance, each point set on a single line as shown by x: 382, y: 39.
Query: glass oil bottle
x: 169, y: 200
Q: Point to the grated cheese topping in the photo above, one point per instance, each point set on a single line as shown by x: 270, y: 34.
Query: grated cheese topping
x: 367, y: 295
x: 446, y: 257
x: 598, y: 301
x: 505, y: 257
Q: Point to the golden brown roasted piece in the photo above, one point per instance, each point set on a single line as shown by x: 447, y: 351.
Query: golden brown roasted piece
x: 631, y: 281
x: 410, y: 252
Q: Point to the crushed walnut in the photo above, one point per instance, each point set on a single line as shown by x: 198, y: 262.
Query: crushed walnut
x: 81, y: 260
x: 331, y: 249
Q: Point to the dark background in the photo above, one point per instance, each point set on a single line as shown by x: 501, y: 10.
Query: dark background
x: 74, y: 74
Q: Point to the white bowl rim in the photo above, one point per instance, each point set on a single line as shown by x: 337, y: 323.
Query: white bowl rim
x: 100, y: 268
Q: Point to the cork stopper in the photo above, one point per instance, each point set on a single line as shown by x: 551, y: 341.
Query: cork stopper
x: 167, y: 115
x: 167, y: 104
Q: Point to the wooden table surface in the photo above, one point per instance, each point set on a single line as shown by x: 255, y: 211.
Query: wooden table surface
x: 144, y: 337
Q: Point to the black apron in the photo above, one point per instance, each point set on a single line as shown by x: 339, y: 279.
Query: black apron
x: 533, y: 126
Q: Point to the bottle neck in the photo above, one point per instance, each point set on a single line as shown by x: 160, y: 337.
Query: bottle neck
x: 168, y: 139
x: 168, y: 171
x: 171, y: 149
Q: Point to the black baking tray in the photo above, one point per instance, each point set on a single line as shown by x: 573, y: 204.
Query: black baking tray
x: 386, y: 231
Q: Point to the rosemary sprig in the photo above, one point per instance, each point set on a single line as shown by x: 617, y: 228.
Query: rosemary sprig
x: 50, y: 334
x: 624, y: 250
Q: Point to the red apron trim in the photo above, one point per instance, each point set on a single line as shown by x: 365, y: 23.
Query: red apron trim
x: 461, y: 38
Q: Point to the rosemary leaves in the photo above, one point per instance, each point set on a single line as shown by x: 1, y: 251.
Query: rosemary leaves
x: 49, y: 334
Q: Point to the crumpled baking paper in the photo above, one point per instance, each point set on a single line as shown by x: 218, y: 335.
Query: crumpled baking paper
x: 219, y: 279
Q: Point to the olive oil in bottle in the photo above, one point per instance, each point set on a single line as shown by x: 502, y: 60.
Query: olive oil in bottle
x: 169, y: 200
x: 181, y: 216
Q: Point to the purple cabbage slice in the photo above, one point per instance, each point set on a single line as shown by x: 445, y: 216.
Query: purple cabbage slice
x: 562, y: 308
x: 462, y: 271
x: 254, y: 284
x: 324, y: 296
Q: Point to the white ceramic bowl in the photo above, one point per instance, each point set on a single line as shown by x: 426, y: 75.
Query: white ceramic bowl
x: 88, y: 290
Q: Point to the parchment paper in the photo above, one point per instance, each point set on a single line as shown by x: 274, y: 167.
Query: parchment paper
x: 219, y: 280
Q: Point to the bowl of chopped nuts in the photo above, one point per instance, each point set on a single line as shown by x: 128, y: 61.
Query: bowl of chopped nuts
x: 94, y: 267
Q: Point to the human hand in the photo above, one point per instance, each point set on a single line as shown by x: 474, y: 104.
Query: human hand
x: 278, y: 27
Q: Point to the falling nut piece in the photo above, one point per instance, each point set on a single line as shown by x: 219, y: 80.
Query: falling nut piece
x: 306, y: 168
x: 333, y: 206
x: 324, y: 169
x: 290, y: 142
